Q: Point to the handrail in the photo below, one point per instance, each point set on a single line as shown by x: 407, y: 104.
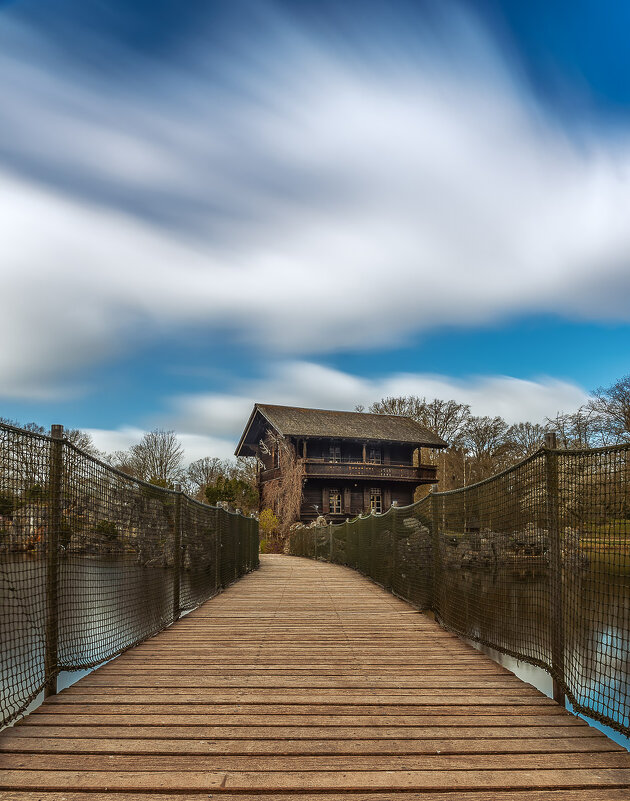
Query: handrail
x: 93, y: 561
x: 533, y: 562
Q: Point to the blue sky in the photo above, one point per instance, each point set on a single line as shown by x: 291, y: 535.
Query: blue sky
x: 208, y: 204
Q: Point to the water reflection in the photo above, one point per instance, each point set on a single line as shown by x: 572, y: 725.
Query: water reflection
x: 542, y: 681
x: 105, y: 605
x: 510, y: 609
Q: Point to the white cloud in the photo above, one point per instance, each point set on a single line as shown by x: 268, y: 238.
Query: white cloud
x: 210, y: 424
x: 108, y: 441
x: 316, y: 386
x: 196, y: 446
x: 325, y: 202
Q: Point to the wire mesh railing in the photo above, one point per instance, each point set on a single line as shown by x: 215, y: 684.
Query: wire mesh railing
x: 534, y: 562
x: 93, y: 561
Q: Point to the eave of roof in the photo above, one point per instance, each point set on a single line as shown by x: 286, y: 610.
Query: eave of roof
x: 324, y: 423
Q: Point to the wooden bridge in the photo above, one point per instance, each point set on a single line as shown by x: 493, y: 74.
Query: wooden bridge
x: 305, y: 680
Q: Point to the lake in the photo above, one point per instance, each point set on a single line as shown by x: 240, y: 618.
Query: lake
x: 509, y: 609
x: 105, y: 605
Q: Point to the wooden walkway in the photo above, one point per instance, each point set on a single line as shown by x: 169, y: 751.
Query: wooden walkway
x: 305, y: 680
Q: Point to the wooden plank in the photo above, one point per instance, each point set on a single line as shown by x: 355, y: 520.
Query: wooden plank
x: 306, y: 680
x: 287, y: 664
x: 188, y: 718
x: 303, y: 762
x: 97, y: 696
x: 452, y: 745
x: 603, y: 794
x: 342, y: 781
x: 271, y: 710
x: 302, y: 682
x: 305, y: 732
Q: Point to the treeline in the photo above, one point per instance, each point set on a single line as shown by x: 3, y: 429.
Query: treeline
x: 480, y: 446
x: 158, y: 458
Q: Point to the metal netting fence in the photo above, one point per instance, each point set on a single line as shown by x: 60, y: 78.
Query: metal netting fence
x: 93, y: 561
x: 534, y: 562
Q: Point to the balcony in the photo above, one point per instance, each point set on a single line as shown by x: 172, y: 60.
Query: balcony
x: 318, y: 468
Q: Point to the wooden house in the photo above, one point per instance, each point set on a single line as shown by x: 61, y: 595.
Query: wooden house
x: 353, y: 462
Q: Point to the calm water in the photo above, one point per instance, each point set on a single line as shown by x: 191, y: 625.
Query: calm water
x: 542, y: 681
x: 104, y: 606
x: 510, y: 609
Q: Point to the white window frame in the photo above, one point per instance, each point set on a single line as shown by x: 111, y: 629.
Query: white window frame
x: 335, y: 501
x: 376, y: 500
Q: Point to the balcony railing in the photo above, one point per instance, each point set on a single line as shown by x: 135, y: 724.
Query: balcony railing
x: 316, y: 467
x: 322, y: 468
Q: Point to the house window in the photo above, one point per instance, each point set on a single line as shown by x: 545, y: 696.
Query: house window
x: 334, y: 453
x: 334, y: 502
x: 376, y: 504
x: 374, y: 455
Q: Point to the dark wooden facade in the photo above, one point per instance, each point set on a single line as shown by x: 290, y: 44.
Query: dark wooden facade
x: 366, y: 463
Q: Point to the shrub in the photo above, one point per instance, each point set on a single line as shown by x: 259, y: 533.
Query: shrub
x: 269, y: 523
x: 107, y: 529
x: 8, y: 504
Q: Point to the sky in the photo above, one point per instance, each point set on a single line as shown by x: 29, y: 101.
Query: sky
x: 209, y: 204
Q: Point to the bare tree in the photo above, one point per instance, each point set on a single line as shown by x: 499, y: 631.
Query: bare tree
x: 580, y: 429
x: 611, y: 407
x: 407, y: 405
x: 484, y: 439
x: 83, y: 441
x: 483, y: 436
x: 204, y: 472
x: 524, y: 439
x: 246, y: 468
x: 78, y: 438
x: 25, y: 458
x: 157, y: 458
x: 446, y: 418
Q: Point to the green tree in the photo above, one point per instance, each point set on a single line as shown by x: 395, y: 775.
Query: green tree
x: 234, y: 491
x: 202, y: 473
x: 8, y: 504
x: 269, y: 525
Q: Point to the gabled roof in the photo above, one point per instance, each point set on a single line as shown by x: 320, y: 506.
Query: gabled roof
x: 296, y: 422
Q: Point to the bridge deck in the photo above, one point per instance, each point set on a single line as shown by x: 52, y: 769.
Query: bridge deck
x: 306, y: 680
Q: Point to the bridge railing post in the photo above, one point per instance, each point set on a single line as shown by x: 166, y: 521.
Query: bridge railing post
x: 556, y: 580
x: 372, y: 554
x: 330, y: 547
x: 393, y: 521
x: 55, y: 511
x: 435, y: 552
x: 217, y: 549
x: 177, y: 552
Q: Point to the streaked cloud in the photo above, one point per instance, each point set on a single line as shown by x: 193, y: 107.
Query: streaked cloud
x: 311, y: 198
x: 314, y: 385
x: 196, y: 446
x: 210, y: 424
